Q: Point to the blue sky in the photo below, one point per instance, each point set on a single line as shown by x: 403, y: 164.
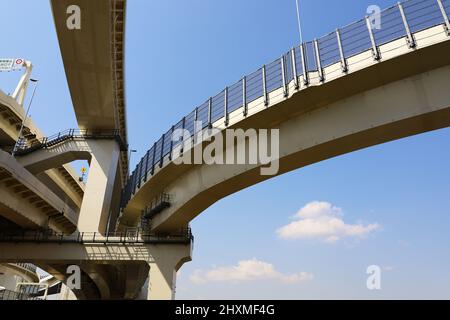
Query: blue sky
x: 181, y: 52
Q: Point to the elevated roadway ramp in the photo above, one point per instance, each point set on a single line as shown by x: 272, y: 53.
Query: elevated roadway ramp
x: 113, y: 267
x: 93, y: 58
x: 380, y: 94
x: 62, y: 180
x: 27, y: 202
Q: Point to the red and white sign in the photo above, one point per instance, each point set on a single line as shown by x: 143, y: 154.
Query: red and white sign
x: 11, y: 64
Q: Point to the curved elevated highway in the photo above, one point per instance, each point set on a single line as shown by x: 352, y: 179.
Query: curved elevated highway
x: 61, y: 179
x: 354, y: 88
x: 26, y: 271
x: 28, y: 202
x: 112, y: 266
x: 93, y: 57
x: 51, y: 198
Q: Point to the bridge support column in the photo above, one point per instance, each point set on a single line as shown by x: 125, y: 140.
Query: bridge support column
x: 163, y: 271
x: 96, y: 207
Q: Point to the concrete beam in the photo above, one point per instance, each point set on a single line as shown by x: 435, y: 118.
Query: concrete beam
x: 159, y: 262
x: 26, y: 210
x: 45, y: 159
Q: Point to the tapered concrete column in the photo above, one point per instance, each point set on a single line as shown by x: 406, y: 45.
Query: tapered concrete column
x: 163, y: 271
x: 162, y: 281
x: 96, y: 206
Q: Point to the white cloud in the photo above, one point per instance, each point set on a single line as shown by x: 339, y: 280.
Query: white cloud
x: 324, y: 221
x: 248, y: 270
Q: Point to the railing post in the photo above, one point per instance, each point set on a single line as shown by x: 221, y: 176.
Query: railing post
x: 304, y: 66
x: 161, y: 158
x: 194, y: 127
x: 183, y: 126
x: 344, y: 65
x: 283, y: 76
x: 210, y: 113
x: 136, y: 176
x: 153, y: 158
x: 294, y: 68
x: 244, y: 95
x: 139, y: 174
x: 146, y: 165
x: 319, y: 63
x: 445, y: 16
x: 134, y: 179
x: 171, y: 142
x: 375, y: 49
x: 264, y: 83
x: 409, y: 37
x: 225, y: 105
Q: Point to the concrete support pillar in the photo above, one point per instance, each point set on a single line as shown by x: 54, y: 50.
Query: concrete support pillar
x: 96, y: 206
x: 162, y: 281
x: 163, y: 271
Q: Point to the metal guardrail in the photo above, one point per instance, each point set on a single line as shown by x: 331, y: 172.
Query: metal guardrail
x: 130, y: 236
x: 13, y: 295
x: 25, y: 147
x: 398, y: 21
x: 27, y: 266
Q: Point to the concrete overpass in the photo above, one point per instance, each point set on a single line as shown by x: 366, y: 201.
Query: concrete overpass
x: 49, y: 199
x: 29, y: 203
x: 98, y: 148
x: 34, y: 200
x: 40, y: 227
x: 93, y: 59
x: 354, y: 88
x: 49, y: 195
x: 26, y: 271
x: 113, y: 267
x: 61, y: 179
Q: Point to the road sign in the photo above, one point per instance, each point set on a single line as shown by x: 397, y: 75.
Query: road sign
x: 83, y: 170
x: 7, y: 65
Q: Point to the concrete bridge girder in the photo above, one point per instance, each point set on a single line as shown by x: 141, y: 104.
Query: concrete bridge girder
x: 18, y: 185
x: 117, y: 270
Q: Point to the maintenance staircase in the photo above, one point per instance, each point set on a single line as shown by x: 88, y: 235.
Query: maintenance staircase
x: 26, y: 146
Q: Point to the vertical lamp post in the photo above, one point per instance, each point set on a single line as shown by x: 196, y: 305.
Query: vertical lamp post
x: 25, y: 118
x: 299, y: 21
